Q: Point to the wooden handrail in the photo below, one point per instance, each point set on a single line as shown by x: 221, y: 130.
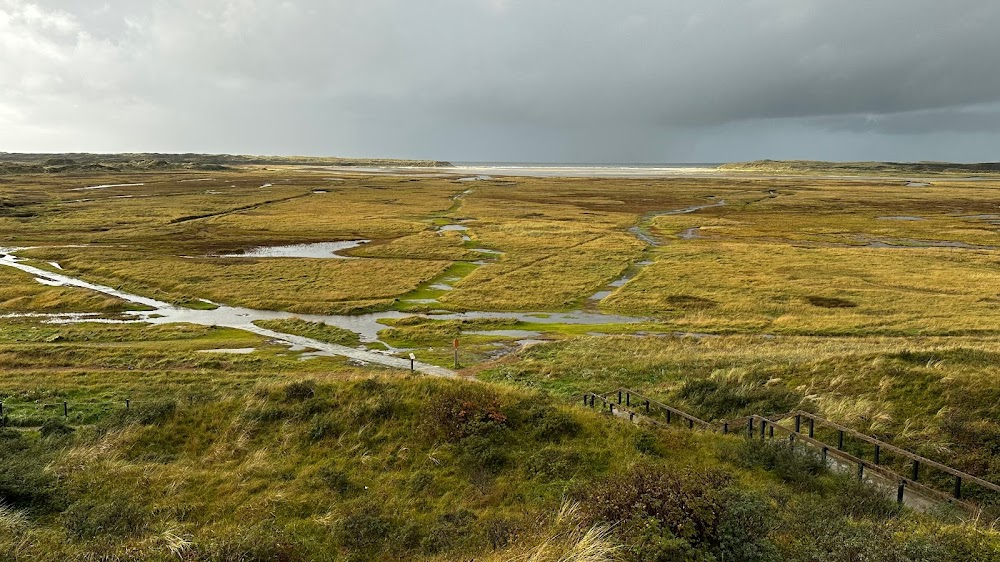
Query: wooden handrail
x: 884, y: 472
x: 734, y: 425
x: 902, y: 452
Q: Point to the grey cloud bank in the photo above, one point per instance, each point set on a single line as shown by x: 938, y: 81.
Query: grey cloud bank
x: 630, y: 81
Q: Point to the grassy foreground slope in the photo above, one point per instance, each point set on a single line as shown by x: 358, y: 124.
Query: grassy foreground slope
x: 390, y: 469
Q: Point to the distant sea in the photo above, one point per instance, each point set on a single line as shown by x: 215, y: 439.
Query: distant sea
x: 587, y: 165
x: 569, y: 169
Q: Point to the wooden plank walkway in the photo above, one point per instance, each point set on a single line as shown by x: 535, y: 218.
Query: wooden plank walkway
x: 624, y: 402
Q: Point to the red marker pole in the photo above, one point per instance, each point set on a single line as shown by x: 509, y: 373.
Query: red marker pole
x: 456, y: 352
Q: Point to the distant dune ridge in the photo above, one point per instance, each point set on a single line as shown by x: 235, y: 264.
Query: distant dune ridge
x: 20, y: 163
x: 849, y: 168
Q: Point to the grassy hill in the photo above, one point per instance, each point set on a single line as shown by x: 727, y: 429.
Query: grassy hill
x: 412, y: 468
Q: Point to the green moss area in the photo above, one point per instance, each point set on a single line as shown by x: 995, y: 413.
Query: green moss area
x: 416, y: 468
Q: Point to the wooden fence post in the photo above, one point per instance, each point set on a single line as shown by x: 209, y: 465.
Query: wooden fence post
x: 958, y: 487
x: 812, y: 427
x: 916, y: 470
x: 840, y: 441
x: 750, y: 428
x: 878, y: 453
x: 900, y: 490
x: 798, y: 423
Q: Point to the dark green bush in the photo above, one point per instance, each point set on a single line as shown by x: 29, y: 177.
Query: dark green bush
x: 484, y: 455
x: 796, y: 465
x: 55, y: 428
x: 553, y: 464
x: 365, y: 531
x: 419, y: 481
x: 338, y: 480
x: 88, y: 518
x: 24, y: 480
x: 863, y: 500
x: 151, y: 412
x: 501, y: 531
x: 448, y: 532
x: 647, y: 444
x: 300, y: 390
x: 683, y: 515
x: 721, y: 400
x: 460, y: 411
x: 687, y: 503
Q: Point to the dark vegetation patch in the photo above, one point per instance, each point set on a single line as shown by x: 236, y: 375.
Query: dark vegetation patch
x: 725, y: 399
x: 690, y: 302
x: 830, y: 302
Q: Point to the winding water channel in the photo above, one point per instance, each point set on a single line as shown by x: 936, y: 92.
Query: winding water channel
x: 366, y: 326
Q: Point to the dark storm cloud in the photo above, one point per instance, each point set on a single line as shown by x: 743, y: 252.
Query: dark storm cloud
x: 636, y: 80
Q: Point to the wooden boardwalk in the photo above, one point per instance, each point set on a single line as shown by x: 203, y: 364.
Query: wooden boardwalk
x: 801, y: 427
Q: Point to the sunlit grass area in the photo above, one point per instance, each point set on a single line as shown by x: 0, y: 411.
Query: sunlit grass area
x: 872, y: 303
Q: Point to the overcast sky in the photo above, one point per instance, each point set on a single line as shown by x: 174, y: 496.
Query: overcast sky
x: 514, y: 80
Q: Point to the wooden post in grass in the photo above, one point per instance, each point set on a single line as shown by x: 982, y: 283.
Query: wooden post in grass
x: 456, y: 352
x: 798, y: 423
x: 647, y: 406
x: 585, y: 400
x: 750, y: 428
x: 413, y: 359
x: 824, y: 455
x: 840, y: 441
x: 628, y: 399
x: 812, y: 427
x: 958, y: 487
x: 725, y: 428
x: 65, y: 409
x: 861, y: 471
x: 127, y: 403
x: 900, y: 490
x: 916, y: 470
x: 878, y: 454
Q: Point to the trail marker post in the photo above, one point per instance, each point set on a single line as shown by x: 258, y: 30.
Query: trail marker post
x: 413, y: 358
x: 455, y: 343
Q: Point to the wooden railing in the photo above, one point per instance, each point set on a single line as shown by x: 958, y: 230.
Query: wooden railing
x: 627, y: 401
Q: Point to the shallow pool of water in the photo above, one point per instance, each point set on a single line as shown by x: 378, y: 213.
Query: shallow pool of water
x: 319, y: 250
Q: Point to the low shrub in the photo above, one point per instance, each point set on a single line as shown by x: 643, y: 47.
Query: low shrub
x: 553, y: 464
x: 448, y: 532
x: 55, y: 428
x: 89, y: 518
x: 300, y: 390
x: 797, y: 466
x: 24, y: 481
x: 460, y: 411
x: 715, y: 399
